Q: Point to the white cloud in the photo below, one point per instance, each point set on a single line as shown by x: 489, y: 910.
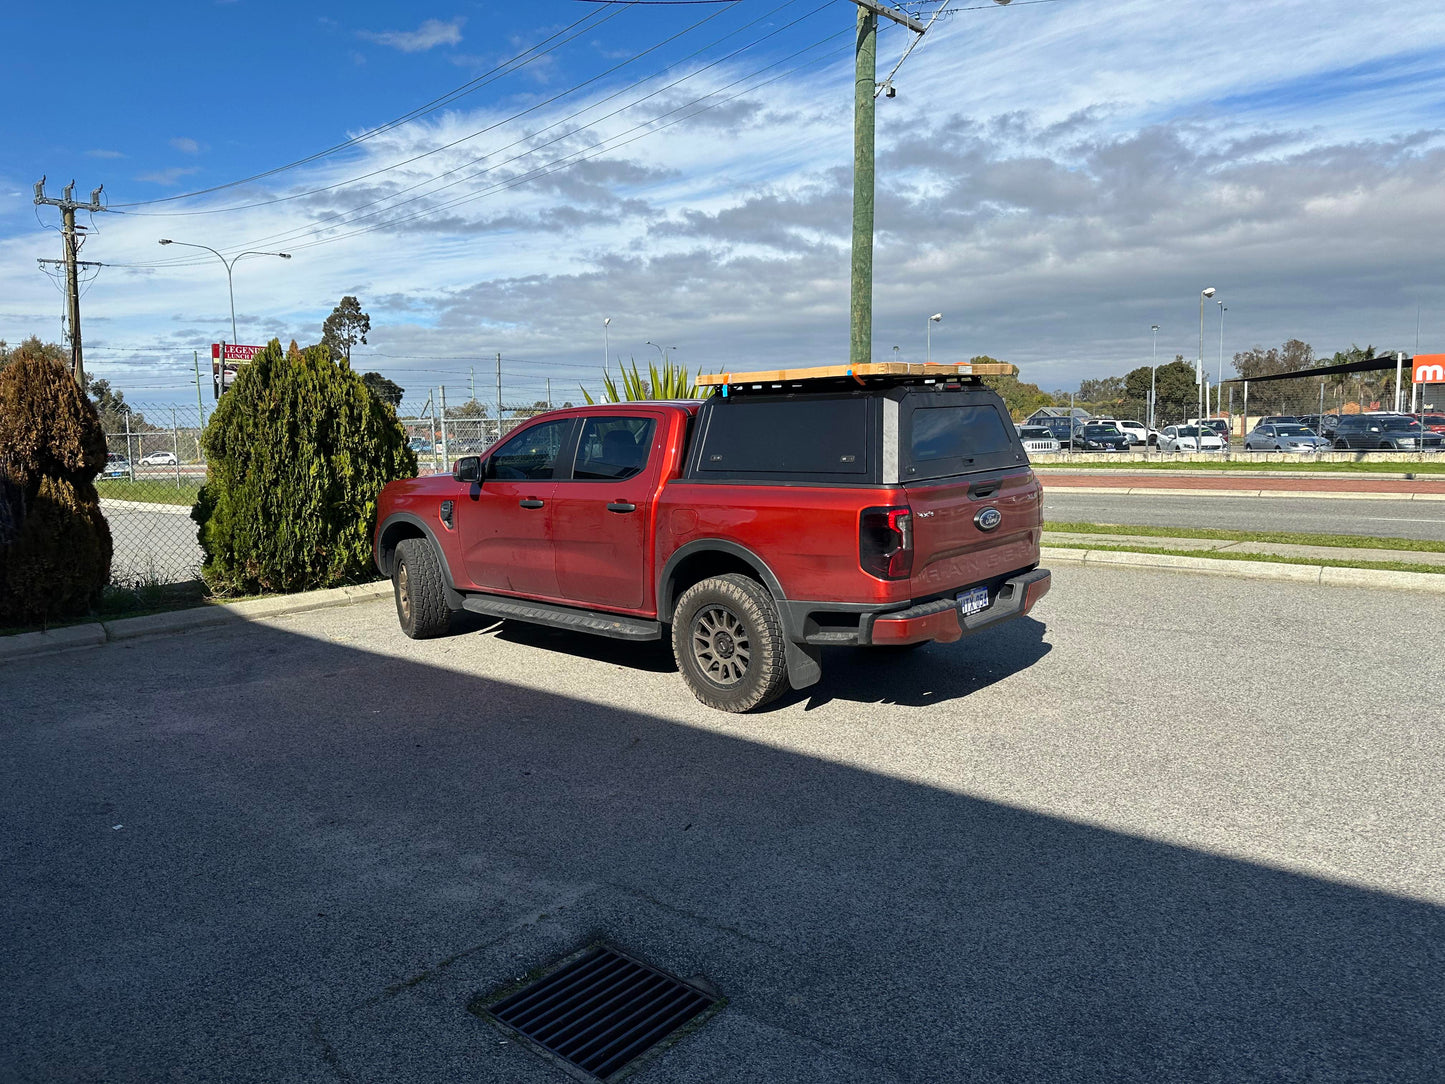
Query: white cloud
x: 167, y: 177
x: 430, y: 34
x: 186, y: 145
x: 98, y: 153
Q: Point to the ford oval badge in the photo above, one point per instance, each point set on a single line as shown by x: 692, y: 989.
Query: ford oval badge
x: 988, y: 518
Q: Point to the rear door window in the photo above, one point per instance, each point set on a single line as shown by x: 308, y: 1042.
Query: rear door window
x: 611, y: 449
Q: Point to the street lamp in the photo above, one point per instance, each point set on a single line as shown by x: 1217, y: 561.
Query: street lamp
x: 1208, y: 291
x: 937, y: 316
x: 1222, y: 310
x: 606, y: 353
x: 660, y: 350
x: 228, y: 264
x: 1155, y: 365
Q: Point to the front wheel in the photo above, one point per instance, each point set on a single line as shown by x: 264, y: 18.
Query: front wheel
x: 416, y: 581
x: 728, y: 642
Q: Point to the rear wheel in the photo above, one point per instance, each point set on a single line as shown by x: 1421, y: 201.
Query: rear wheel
x: 416, y: 581
x: 728, y: 642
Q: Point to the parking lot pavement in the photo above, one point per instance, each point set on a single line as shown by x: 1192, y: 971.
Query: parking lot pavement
x: 1174, y: 829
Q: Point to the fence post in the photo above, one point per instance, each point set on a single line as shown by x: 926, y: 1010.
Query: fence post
x: 176, y: 447
x: 129, y: 461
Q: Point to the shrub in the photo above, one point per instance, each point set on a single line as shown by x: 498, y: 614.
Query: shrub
x: 55, y: 545
x: 298, y: 451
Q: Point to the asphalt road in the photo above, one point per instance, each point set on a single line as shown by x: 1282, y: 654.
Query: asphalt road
x: 1167, y: 831
x: 1325, y: 515
x: 152, y: 545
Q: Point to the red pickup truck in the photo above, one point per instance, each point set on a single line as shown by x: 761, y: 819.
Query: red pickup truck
x: 756, y: 527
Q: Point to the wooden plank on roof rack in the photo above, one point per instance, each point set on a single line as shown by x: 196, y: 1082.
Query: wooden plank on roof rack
x: 879, y: 368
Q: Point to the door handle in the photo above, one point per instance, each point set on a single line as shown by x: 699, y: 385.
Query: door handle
x: 531, y: 502
x: 621, y: 506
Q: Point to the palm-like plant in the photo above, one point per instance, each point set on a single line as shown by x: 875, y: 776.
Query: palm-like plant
x: 669, y: 382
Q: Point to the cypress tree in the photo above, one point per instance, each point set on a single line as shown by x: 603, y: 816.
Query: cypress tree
x: 55, y: 545
x: 297, y: 452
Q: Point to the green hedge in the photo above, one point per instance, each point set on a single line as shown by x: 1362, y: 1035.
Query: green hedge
x: 298, y: 450
x: 55, y: 546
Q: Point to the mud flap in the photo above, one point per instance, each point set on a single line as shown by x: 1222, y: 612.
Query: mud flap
x: 805, y: 664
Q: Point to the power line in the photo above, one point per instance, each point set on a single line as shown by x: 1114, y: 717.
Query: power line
x: 312, y: 227
x: 466, y: 88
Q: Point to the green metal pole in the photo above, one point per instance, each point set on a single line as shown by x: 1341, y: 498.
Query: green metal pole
x: 860, y: 349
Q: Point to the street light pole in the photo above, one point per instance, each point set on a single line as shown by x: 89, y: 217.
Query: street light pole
x: 935, y: 318
x: 1153, y: 367
x: 606, y: 352
x: 228, y: 265
x: 1208, y: 291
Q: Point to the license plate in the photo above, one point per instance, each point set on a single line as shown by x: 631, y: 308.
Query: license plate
x: 972, y: 600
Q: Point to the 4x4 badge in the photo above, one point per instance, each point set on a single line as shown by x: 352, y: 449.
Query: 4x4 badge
x: 988, y: 518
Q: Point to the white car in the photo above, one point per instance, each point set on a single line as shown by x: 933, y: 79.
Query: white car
x: 158, y: 459
x: 1137, y: 432
x: 1185, y: 438
x: 1038, y: 438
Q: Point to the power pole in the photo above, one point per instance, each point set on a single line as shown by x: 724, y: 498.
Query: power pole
x: 499, y: 395
x: 68, y: 207
x: 865, y: 90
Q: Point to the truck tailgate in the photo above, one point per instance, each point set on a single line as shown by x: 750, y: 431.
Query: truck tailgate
x: 954, y: 546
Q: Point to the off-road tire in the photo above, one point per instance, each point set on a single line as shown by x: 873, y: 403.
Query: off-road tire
x: 715, y: 622
x: 416, y: 581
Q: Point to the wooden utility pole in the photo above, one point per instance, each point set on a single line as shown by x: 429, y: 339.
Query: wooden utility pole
x: 72, y: 243
x: 865, y: 91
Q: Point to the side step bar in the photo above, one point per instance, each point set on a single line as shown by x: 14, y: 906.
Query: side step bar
x: 564, y: 617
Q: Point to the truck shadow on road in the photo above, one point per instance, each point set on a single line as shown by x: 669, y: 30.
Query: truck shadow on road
x: 280, y: 856
x: 931, y: 674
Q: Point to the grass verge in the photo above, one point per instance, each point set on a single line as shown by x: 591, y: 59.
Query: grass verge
x: 1429, y: 466
x: 1271, y: 558
x: 1284, y: 538
x: 149, y: 490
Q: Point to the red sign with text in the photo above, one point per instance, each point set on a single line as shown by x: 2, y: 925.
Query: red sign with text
x: 223, y: 371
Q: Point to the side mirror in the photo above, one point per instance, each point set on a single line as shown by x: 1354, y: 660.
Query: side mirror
x: 468, y: 469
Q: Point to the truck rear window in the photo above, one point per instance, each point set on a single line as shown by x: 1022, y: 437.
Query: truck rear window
x: 800, y: 437
x: 955, y: 438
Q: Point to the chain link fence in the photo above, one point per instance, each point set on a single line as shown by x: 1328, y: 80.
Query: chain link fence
x: 155, y: 467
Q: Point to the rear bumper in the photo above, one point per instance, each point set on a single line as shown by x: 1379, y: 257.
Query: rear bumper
x: 939, y: 620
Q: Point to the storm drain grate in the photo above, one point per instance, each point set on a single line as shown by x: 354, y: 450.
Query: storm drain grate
x: 600, y: 1012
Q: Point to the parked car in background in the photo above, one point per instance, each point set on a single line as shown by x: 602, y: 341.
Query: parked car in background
x: 1395, y: 432
x: 1283, y: 437
x: 116, y: 466
x: 1435, y: 423
x: 1186, y: 438
x: 1281, y: 419
x: 1137, y: 432
x: 1038, y: 438
x: 158, y: 459
x: 1061, y: 428
x: 1097, y: 437
x: 420, y: 446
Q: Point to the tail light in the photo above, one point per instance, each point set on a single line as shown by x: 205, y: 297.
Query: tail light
x: 885, y: 542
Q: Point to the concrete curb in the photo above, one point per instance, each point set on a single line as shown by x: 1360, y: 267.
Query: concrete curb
x: 1326, y: 575
x: 107, y: 503
x: 1135, y: 491
x: 26, y: 644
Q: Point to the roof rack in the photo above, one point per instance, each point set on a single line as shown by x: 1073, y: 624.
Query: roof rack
x: 863, y: 374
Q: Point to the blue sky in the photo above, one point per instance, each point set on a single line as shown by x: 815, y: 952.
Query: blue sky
x: 1054, y: 177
